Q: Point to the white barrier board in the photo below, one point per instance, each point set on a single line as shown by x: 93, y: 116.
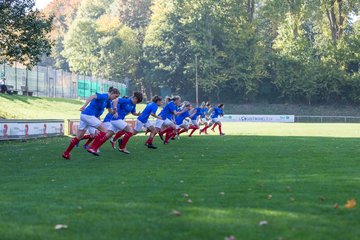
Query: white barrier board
x: 259, y: 118
x: 15, y: 129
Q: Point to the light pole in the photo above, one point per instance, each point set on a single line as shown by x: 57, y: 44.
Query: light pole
x: 196, y: 80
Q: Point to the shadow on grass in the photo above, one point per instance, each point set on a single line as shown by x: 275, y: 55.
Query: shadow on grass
x: 26, y: 99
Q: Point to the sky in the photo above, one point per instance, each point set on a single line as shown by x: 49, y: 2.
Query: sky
x: 40, y: 4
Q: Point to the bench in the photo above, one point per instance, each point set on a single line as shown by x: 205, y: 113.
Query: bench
x: 10, y: 90
x: 25, y: 91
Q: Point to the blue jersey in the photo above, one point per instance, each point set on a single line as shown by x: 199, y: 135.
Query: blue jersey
x: 124, y: 107
x: 108, y: 105
x: 199, y: 112
x: 168, y: 111
x: 97, y: 105
x: 217, y: 112
x: 205, y: 112
x: 151, y: 108
x: 181, y: 117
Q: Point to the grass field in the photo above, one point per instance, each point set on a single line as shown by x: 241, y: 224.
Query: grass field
x: 228, y: 179
x: 22, y: 107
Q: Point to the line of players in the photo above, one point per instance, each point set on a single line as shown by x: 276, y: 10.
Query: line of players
x: 171, y: 121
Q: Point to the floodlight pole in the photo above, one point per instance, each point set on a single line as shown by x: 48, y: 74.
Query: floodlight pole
x: 196, y: 80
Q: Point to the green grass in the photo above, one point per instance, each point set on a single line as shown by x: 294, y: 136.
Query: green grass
x: 23, y: 107
x: 118, y: 196
x: 293, y: 109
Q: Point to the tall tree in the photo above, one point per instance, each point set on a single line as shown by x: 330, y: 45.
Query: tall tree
x: 23, y: 32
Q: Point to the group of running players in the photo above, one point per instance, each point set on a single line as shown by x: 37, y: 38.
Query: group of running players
x: 174, y: 119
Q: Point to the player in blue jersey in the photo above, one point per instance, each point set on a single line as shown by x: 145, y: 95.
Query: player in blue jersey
x: 167, y: 114
x: 187, y: 112
x: 215, y: 118
x: 200, y: 112
x: 93, y: 132
x: 122, y: 107
x: 93, y: 107
x: 143, y: 120
x: 203, y: 120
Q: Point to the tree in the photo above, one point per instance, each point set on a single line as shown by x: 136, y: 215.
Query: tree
x: 134, y: 14
x: 99, y: 44
x: 23, y: 32
x: 64, y: 13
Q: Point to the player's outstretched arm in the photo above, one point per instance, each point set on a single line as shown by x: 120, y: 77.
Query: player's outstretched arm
x: 92, y: 97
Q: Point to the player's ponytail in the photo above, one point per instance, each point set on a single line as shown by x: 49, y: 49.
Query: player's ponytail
x: 139, y: 96
x: 114, y: 91
x: 186, y: 104
x: 174, y: 98
x: 156, y: 99
x: 110, y: 88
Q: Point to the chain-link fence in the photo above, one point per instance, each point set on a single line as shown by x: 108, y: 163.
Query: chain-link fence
x: 49, y: 82
x: 327, y: 119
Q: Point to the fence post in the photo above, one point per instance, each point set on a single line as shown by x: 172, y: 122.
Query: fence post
x: 62, y: 83
x: 16, y: 76
x: 55, y: 82
x: 37, y: 80
x: 47, y: 81
x: 26, y: 79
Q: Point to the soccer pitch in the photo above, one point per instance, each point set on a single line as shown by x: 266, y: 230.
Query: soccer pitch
x: 287, y: 176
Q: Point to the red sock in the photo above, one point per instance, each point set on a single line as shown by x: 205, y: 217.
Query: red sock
x: 99, y: 140
x: 126, y: 138
x: 192, y: 132
x: 182, y: 131
x: 118, y: 135
x: 72, y: 144
x: 150, y: 140
x: 194, y: 128
x: 87, y: 136
x: 220, y: 130
x: 166, y: 130
x: 204, y: 129
x: 88, y: 141
x: 214, y: 126
x: 169, y: 135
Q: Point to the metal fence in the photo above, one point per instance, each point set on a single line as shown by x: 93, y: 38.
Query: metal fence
x: 49, y: 82
x: 327, y: 119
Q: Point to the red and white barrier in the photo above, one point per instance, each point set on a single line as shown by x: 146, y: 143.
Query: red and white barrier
x: 23, y: 129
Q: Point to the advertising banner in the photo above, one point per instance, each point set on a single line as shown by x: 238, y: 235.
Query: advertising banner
x: 259, y: 118
x: 23, y: 129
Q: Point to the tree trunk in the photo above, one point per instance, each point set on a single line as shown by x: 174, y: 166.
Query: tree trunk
x: 336, y: 20
x: 341, y: 20
x: 250, y: 9
x: 293, y: 16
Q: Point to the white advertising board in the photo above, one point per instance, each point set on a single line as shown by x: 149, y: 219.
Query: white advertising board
x: 22, y: 129
x: 259, y: 118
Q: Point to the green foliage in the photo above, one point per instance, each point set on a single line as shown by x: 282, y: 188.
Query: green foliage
x: 293, y: 51
x: 23, y: 33
x: 97, y: 43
